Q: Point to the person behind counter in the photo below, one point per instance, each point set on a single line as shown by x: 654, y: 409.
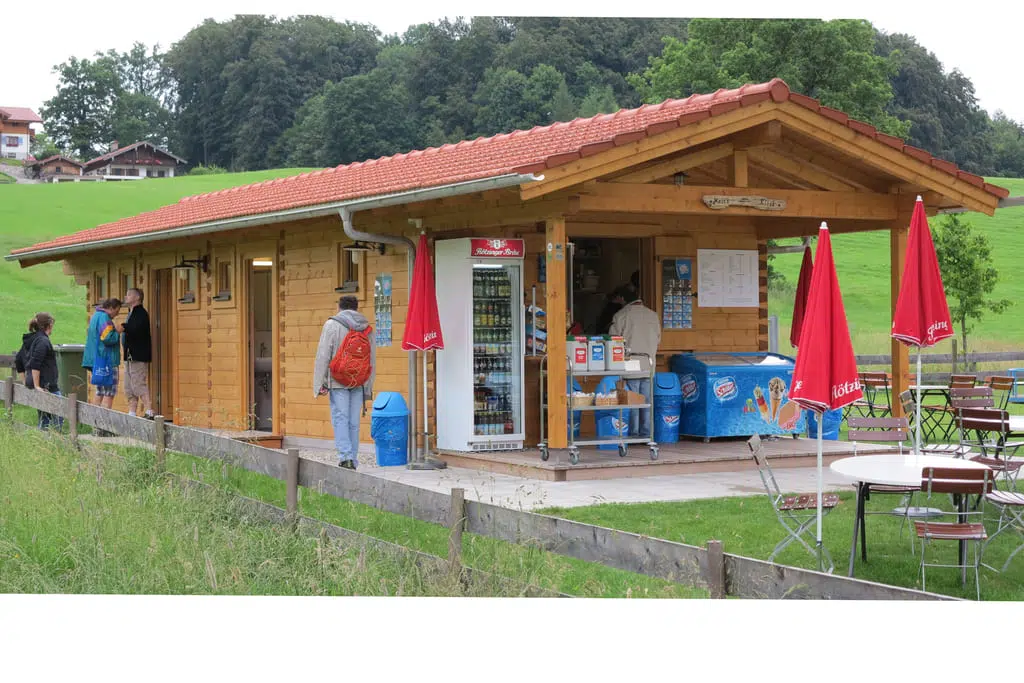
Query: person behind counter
x: 613, y: 304
x: 640, y: 327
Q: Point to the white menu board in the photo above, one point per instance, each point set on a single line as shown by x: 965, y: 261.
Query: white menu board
x: 727, y: 278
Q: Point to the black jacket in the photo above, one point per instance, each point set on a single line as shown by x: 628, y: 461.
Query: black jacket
x: 138, y: 345
x: 42, y: 357
x: 22, y: 356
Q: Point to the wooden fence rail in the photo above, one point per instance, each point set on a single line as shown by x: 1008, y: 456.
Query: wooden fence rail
x: 658, y: 558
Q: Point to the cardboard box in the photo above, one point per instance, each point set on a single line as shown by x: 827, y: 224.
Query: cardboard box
x: 628, y: 398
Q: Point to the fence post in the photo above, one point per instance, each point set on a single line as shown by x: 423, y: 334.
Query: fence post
x: 71, y: 415
x: 9, y: 397
x: 292, y: 486
x: 716, y: 569
x: 456, y: 521
x: 159, y: 441
x: 954, y: 355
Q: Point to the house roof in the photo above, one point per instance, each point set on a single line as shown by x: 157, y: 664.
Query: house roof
x: 521, y: 151
x: 98, y: 161
x: 60, y: 157
x: 20, y: 114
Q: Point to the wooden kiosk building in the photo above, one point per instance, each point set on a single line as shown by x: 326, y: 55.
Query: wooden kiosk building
x: 239, y: 282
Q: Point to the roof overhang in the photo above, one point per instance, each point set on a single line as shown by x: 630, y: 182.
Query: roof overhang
x: 28, y: 258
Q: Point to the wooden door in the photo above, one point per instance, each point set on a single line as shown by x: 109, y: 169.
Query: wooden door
x: 162, y: 369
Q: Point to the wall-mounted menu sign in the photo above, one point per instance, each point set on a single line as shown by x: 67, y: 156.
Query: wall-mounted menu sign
x: 677, y: 294
x: 496, y: 248
x: 728, y: 278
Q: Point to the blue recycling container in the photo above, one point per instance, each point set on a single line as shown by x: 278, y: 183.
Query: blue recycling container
x: 609, y: 424
x: 830, y: 424
x: 389, y: 429
x: 577, y: 415
x: 668, y: 400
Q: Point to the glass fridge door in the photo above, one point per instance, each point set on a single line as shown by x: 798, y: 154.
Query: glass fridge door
x: 497, y: 352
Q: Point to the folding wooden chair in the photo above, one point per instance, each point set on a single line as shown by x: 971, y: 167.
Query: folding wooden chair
x: 1011, y: 516
x: 957, y: 482
x: 909, y: 406
x: 797, y: 513
x: 1002, y: 386
x: 876, y: 400
x: 962, y: 381
x: 988, y: 430
x: 891, y: 430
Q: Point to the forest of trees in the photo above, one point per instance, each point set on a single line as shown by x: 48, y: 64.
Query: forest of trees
x: 259, y: 92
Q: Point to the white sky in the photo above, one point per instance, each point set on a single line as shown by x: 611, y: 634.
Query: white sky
x: 985, y: 45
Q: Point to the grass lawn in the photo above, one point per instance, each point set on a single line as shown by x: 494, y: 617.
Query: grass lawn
x: 748, y: 526
x: 38, y: 212
x: 862, y: 264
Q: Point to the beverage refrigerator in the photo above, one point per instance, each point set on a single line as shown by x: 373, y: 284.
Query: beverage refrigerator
x: 480, y: 371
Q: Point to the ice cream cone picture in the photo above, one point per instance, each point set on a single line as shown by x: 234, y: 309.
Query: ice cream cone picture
x: 762, y: 406
x: 776, y: 390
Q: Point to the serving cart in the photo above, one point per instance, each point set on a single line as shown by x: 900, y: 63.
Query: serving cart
x: 621, y: 441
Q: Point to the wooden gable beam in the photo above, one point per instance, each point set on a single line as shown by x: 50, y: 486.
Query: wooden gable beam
x: 800, y: 170
x: 647, y: 149
x: 765, y: 135
x: 740, y: 171
x: 831, y: 166
x: 684, y: 163
x: 886, y: 158
x: 671, y: 199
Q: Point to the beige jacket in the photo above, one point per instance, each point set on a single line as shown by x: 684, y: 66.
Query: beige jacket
x: 640, y: 327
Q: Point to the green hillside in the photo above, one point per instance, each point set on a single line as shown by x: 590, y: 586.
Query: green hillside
x: 862, y: 264
x: 35, y: 213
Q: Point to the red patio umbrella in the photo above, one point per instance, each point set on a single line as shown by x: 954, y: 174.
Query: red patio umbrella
x: 803, y: 285
x: 825, y: 376
x: 422, y: 323
x: 922, y: 314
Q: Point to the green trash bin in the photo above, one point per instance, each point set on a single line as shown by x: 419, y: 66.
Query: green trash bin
x: 72, y: 377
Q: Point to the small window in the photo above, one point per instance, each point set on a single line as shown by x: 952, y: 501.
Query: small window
x: 58, y: 169
x: 223, y: 280
x: 100, y: 287
x: 349, y: 266
x: 187, y: 286
x: 132, y: 172
x: 127, y: 282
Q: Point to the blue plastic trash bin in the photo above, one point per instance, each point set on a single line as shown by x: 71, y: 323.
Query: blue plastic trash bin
x: 609, y: 425
x: 830, y: 424
x: 389, y: 429
x: 577, y: 415
x: 668, y: 399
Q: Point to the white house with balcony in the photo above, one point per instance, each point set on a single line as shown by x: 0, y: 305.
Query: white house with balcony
x: 16, y: 132
x: 134, y: 162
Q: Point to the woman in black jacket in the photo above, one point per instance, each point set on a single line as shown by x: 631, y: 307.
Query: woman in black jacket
x: 41, y: 367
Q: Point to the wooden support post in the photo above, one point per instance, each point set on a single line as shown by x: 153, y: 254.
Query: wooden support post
x: 71, y: 415
x: 740, y: 175
x: 292, y: 485
x: 556, y: 255
x: 715, y: 569
x: 159, y: 441
x: 900, y: 353
x: 456, y: 522
x: 9, y: 397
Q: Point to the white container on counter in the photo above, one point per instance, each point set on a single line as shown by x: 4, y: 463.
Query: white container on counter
x: 577, y: 350
x: 596, y: 355
x: 615, y: 353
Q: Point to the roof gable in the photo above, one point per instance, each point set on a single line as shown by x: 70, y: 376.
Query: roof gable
x: 20, y: 114
x: 120, y: 151
x: 556, y: 150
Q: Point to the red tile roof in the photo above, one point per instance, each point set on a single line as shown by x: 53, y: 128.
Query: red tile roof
x: 20, y: 114
x: 57, y: 156
x: 98, y: 161
x: 522, y: 151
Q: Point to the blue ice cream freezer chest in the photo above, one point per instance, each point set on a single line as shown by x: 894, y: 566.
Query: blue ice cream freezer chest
x: 736, y: 394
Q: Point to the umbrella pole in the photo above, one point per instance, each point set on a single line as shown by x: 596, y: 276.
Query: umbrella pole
x: 917, y: 419
x: 821, y: 419
x: 426, y: 418
x: 422, y: 459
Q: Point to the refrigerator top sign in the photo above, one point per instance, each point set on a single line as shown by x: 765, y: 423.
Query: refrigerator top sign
x: 496, y: 248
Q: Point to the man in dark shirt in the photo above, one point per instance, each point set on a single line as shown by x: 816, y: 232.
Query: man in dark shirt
x: 138, y: 353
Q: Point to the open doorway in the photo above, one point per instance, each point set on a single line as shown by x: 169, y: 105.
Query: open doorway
x: 260, y: 346
x: 162, y: 369
x: 600, y: 266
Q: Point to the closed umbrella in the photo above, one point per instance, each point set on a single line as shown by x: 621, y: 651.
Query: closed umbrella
x: 423, y: 324
x: 825, y: 376
x: 803, y: 285
x: 922, y: 314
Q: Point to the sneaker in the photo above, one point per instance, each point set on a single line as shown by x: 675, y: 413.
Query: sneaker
x: 346, y: 464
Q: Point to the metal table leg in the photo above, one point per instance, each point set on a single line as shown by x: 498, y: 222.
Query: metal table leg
x: 861, y: 487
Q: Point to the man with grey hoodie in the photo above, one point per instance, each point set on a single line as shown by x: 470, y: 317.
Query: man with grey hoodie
x: 347, y: 405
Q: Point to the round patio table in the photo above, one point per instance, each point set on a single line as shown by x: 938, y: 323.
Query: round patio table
x: 893, y: 470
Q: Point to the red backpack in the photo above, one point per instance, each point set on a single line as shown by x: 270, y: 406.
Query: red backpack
x: 351, y: 366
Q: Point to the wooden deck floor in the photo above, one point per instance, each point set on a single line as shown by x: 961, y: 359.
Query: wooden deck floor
x: 686, y: 457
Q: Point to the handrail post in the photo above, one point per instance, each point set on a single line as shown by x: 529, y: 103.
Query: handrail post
x: 715, y: 569
x: 71, y: 415
x: 9, y: 397
x: 292, y: 486
x: 159, y: 441
x: 456, y: 522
